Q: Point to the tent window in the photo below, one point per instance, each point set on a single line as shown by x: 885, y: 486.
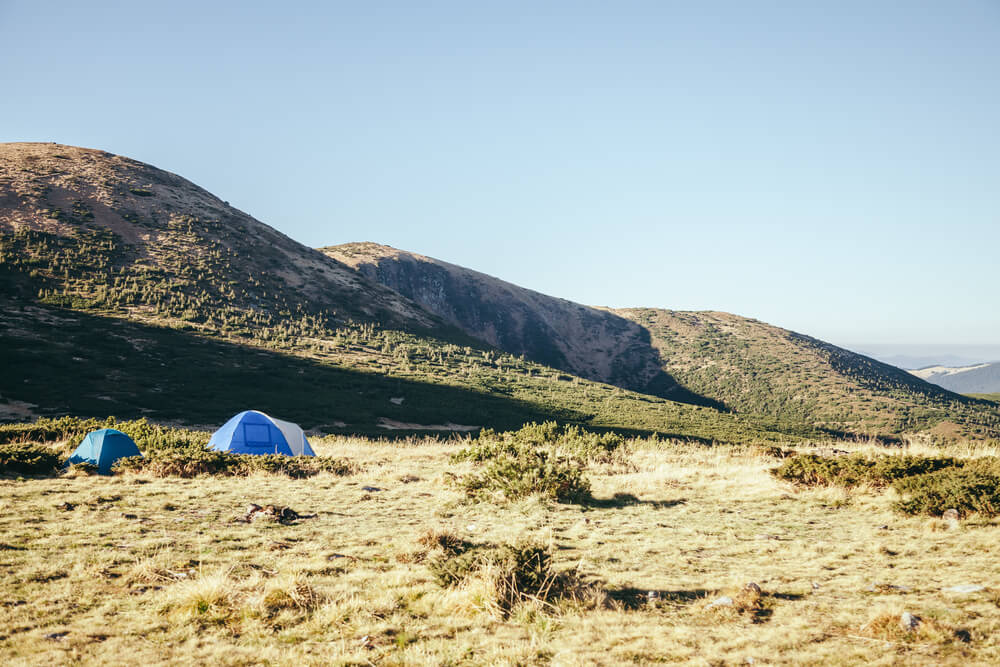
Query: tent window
x: 256, y: 433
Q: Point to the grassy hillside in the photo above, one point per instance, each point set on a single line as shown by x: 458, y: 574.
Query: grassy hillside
x: 753, y: 367
x: 592, y: 343
x: 715, y: 359
x: 128, y: 290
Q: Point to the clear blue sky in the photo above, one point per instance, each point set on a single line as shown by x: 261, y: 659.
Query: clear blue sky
x: 832, y: 167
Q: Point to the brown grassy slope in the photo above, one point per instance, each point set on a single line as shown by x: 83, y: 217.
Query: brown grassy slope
x: 754, y: 367
x: 155, y: 571
x: 167, y: 230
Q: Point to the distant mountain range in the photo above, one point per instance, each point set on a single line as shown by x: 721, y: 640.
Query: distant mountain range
x: 975, y: 379
x: 128, y: 290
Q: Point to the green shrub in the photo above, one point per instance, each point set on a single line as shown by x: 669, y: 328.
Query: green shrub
x: 27, y: 459
x: 568, y: 440
x: 855, y: 469
x: 965, y: 490
x: 192, y: 462
x: 515, y: 572
x: 534, y: 471
x: 146, y: 435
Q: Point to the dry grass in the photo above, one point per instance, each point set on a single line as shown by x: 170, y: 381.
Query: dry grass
x: 149, y: 570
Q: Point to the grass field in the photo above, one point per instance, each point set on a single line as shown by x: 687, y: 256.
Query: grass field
x: 156, y: 570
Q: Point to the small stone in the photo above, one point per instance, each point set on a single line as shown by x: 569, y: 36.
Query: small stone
x: 66, y: 507
x: 884, y: 527
x: 56, y: 636
x: 126, y: 515
x: 753, y: 588
x: 965, y: 589
x: 950, y: 514
x: 723, y: 601
x: 908, y: 622
x: 815, y: 586
x: 370, y: 489
x: 652, y: 596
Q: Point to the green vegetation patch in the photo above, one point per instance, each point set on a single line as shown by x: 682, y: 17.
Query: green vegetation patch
x: 927, y: 485
x: 544, y: 459
x: 856, y: 469
x: 191, y: 462
x: 27, y: 459
x: 964, y: 489
x: 513, y: 573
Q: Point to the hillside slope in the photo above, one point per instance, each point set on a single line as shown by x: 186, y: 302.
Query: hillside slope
x: 754, y: 367
x: 977, y: 379
x: 128, y: 290
x: 595, y: 344
x: 718, y: 359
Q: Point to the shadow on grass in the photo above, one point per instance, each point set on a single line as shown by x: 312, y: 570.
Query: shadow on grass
x: 620, y: 500
x: 72, y: 362
x: 633, y: 599
x: 639, y: 598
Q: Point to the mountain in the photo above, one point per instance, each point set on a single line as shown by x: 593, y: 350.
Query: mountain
x: 127, y: 290
x: 718, y: 359
x: 595, y: 344
x: 974, y: 379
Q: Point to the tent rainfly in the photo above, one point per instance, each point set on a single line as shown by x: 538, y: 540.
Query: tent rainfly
x: 104, y: 447
x: 253, y: 432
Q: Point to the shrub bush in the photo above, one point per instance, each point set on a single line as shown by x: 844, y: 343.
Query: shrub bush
x: 965, y: 490
x: 146, y: 435
x: 191, y: 462
x: 515, y: 572
x: 855, y: 469
x: 545, y: 459
x: 567, y: 440
x: 27, y: 459
x: 531, y: 472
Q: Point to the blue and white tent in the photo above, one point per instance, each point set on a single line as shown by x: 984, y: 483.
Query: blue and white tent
x: 104, y: 447
x: 253, y: 432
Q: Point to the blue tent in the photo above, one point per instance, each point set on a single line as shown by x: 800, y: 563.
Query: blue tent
x: 104, y: 447
x: 253, y: 432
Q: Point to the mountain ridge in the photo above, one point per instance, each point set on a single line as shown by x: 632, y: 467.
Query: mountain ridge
x: 128, y: 290
x: 727, y: 361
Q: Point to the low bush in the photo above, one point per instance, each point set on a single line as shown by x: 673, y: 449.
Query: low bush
x: 965, y: 490
x: 544, y: 459
x: 146, y: 435
x: 514, y: 572
x: 855, y: 469
x: 192, y: 462
x: 27, y: 459
x: 530, y: 472
x: 568, y: 440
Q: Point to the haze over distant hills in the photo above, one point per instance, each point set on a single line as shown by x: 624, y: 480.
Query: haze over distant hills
x: 128, y: 290
x: 912, y: 357
x: 975, y: 379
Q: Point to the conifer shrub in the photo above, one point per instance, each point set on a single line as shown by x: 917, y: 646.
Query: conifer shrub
x: 192, y: 462
x: 569, y: 440
x: 27, y: 459
x: 513, y: 573
x: 530, y: 471
x: 856, y: 469
x: 966, y: 490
